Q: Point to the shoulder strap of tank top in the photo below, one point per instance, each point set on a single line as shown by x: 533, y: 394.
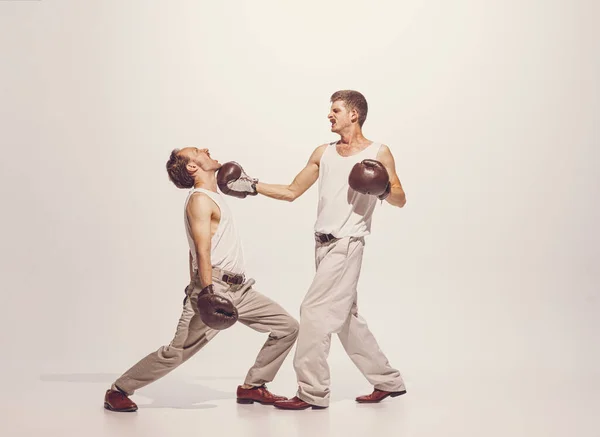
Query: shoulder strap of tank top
x: 198, y: 190
x: 328, y: 149
x: 203, y: 190
x: 213, y: 196
x: 376, y: 148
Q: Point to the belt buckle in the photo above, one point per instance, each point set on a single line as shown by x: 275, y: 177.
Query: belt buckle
x: 232, y: 279
x: 325, y: 238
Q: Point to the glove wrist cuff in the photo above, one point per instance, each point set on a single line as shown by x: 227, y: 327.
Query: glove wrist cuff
x: 210, y: 288
x: 387, y: 192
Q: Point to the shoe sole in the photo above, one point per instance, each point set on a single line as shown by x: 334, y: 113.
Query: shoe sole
x: 314, y: 407
x: 129, y: 410
x: 251, y: 401
x: 393, y: 395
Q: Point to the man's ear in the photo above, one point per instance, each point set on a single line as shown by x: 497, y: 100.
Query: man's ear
x: 191, y: 167
x: 354, y: 116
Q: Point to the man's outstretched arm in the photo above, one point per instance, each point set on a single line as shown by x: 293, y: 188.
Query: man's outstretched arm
x: 302, y: 182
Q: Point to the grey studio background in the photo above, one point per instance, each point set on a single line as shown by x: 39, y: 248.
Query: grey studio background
x: 488, y: 277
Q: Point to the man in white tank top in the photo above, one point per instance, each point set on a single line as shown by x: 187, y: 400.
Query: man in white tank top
x: 216, y: 262
x: 343, y: 220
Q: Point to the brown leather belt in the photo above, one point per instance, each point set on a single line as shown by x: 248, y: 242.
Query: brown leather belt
x: 233, y: 279
x: 228, y: 277
x: 324, y: 238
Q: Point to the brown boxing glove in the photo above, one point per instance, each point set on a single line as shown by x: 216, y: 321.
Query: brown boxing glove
x: 232, y: 180
x: 370, y: 177
x: 216, y: 311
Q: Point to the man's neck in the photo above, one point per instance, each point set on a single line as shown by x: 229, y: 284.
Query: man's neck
x: 208, y: 182
x: 353, y: 138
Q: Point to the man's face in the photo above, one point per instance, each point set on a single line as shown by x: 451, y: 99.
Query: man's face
x: 340, y: 117
x: 200, y: 158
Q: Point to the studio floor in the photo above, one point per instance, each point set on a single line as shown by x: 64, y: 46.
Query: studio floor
x: 528, y: 404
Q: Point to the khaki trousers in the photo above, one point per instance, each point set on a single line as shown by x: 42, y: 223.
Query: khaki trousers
x: 329, y: 307
x: 254, y: 310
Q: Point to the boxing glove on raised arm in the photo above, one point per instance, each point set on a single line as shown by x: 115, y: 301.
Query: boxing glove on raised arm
x: 232, y: 180
x: 370, y: 177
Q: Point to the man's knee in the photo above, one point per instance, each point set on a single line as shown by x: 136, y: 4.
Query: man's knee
x: 306, y: 307
x: 170, y: 356
x: 315, y: 322
x: 288, y: 330
x: 293, y: 327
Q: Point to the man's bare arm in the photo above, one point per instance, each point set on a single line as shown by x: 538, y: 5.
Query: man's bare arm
x: 397, y: 196
x: 200, y: 210
x: 302, y: 182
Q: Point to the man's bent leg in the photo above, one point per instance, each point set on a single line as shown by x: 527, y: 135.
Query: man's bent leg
x: 264, y: 315
x: 191, y: 335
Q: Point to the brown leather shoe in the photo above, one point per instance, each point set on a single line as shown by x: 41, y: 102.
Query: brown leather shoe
x: 115, y: 400
x: 296, y: 404
x: 257, y: 394
x: 378, y: 396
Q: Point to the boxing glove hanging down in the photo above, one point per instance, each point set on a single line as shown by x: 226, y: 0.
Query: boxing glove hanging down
x: 215, y: 311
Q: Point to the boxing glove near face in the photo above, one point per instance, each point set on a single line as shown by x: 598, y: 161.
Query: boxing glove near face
x: 370, y: 177
x: 216, y: 311
x: 232, y: 180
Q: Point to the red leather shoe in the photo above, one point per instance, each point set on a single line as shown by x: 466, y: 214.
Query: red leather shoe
x: 257, y: 394
x: 378, y: 396
x: 296, y: 404
x: 115, y: 400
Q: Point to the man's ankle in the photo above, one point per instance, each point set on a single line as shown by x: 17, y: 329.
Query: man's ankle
x: 115, y: 388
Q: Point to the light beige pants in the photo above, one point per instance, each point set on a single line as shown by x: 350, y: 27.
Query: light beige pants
x: 254, y: 310
x: 330, y: 307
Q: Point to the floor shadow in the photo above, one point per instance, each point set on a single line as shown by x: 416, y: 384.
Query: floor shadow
x: 174, y: 392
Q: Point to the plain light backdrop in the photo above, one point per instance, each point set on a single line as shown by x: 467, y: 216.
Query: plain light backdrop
x: 491, y: 110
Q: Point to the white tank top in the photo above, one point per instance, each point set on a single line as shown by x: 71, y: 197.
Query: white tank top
x: 343, y: 211
x: 227, y: 252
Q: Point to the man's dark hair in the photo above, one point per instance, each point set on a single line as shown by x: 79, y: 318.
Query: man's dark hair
x: 176, y: 168
x: 353, y: 100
